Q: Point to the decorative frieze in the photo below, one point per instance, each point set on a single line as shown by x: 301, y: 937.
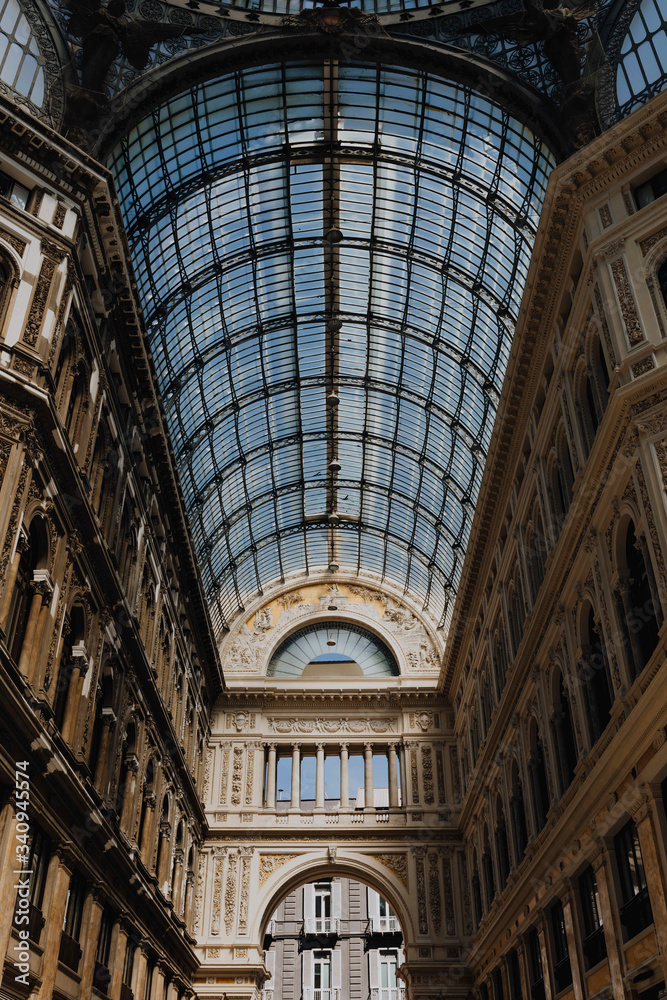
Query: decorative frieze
x: 332, y: 726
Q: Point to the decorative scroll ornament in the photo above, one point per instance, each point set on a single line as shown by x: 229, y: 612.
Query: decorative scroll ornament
x: 397, y: 863
x: 271, y: 863
x: 335, y: 21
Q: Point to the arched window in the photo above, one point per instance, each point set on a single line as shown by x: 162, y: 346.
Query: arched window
x: 72, y: 659
x: 640, y: 610
x: 25, y: 602
x: 487, y: 870
x: 595, y: 675
x: 536, y: 549
x: 98, y: 759
x: 478, y: 911
x: 563, y: 733
x: 538, y: 777
x: 500, y: 658
x: 516, y: 610
x: 518, y: 814
x: 662, y: 280
x: 127, y: 778
x: 502, y: 845
x: 562, y: 477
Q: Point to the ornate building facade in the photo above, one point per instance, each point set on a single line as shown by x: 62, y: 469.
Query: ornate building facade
x: 333, y: 515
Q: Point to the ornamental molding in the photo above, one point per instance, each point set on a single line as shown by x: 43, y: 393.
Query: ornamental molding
x: 248, y: 647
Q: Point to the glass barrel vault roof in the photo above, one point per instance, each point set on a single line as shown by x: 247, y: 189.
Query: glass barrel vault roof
x: 300, y: 228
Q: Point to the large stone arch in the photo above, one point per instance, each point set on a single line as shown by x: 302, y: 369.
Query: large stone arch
x: 332, y: 863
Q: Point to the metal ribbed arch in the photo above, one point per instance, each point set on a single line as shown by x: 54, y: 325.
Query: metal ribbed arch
x: 254, y: 317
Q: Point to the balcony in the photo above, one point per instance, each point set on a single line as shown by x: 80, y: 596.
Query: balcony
x: 385, y: 925
x: 310, y: 993
x: 387, y: 993
x: 321, y: 925
x: 35, y: 923
x: 127, y: 994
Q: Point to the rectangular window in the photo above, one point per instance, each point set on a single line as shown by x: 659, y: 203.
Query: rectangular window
x: 562, y: 968
x: 102, y: 975
x: 636, y: 913
x: 38, y: 864
x: 514, y: 976
x: 594, y: 946
x: 323, y: 907
x: 70, y: 950
x: 498, y: 991
x: 14, y: 192
x: 322, y: 975
x: 535, y: 972
x: 388, y: 982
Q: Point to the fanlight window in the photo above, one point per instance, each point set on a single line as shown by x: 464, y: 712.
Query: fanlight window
x: 20, y: 61
x: 332, y: 650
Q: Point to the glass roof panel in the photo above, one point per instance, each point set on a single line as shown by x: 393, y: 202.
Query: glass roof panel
x: 305, y: 229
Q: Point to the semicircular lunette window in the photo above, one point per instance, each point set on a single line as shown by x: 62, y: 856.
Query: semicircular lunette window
x: 332, y: 650
x: 20, y: 59
x: 642, y: 67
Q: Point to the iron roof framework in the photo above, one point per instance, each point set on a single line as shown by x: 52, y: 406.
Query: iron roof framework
x: 330, y: 258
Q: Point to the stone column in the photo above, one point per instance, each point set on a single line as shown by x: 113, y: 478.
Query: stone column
x: 35, y: 666
x: 344, y: 777
x: 164, y: 857
x: 158, y: 981
x: 127, y: 812
x: 404, y: 775
x: 523, y: 967
x: 393, y: 777
x: 573, y: 938
x: 655, y: 876
x: 8, y: 863
x: 612, y: 934
x: 21, y: 545
x: 73, y: 704
x: 271, y: 778
x: 89, y: 944
x: 369, y: 798
x: 30, y: 637
x: 189, y: 894
x: 146, y: 845
x: 102, y: 762
x: 139, y: 972
x: 59, y: 875
x: 177, y: 884
x: 295, y: 799
x: 319, y: 779
x: 118, y: 949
